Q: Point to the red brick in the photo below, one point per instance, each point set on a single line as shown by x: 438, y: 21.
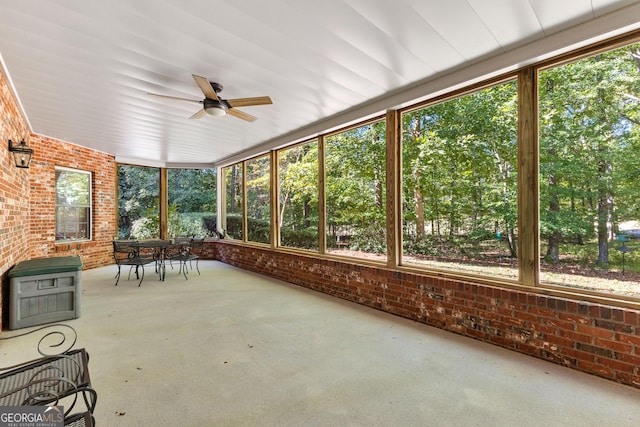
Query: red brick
x: 595, y: 332
x: 614, y: 345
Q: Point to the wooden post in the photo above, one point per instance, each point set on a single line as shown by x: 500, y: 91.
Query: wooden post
x: 394, y: 190
x: 275, y: 200
x: 163, y: 208
x: 528, y: 188
x: 322, y: 198
x: 243, y: 190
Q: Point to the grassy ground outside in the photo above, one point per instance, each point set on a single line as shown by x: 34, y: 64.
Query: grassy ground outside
x: 613, y: 282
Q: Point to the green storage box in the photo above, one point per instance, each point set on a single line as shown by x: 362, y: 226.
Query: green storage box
x: 44, y: 290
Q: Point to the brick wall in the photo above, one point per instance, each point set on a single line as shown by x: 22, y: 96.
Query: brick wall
x: 49, y: 153
x: 27, y: 196
x: 14, y: 187
x: 590, y: 337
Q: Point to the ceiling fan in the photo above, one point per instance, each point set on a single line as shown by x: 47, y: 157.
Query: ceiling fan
x: 213, y: 105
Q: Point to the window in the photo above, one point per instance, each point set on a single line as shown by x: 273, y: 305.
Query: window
x: 459, y: 185
x: 298, y: 196
x: 234, y: 201
x: 138, y: 202
x: 73, y: 205
x: 192, y: 202
x: 258, y: 200
x: 355, y: 170
x: 589, y: 140
x: 459, y: 182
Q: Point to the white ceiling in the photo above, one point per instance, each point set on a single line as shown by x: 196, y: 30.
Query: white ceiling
x: 82, y: 68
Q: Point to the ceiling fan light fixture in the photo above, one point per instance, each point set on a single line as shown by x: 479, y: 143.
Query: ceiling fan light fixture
x: 215, y: 108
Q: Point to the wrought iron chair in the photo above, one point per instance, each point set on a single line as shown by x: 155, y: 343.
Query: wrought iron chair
x: 127, y: 252
x: 51, y: 378
x: 179, y: 251
x: 186, y: 251
x: 196, y: 251
x: 83, y: 419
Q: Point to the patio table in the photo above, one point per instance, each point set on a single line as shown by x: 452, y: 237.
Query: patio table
x: 159, y: 247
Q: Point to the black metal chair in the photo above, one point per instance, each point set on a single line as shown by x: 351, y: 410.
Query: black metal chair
x: 186, y: 250
x: 127, y: 252
x: 52, y: 379
x: 196, y: 251
x: 83, y: 419
x: 47, y: 380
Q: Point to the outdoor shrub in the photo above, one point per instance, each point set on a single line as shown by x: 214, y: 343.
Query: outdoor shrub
x: 424, y: 246
x: 371, y: 238
x: 305, y: 239
x: 258, y: 230
x: 146, y: 227
x: 234, y: 226
x: 210, y: 224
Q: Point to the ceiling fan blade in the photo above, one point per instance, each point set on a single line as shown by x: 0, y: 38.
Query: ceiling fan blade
x: 199, y: 114
x: 174, y: 97
x: 247, y: 102
x: 241, y: 115
x: 205, y: 87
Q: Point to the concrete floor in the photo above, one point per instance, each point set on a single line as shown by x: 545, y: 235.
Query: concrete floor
x: 232, y: 348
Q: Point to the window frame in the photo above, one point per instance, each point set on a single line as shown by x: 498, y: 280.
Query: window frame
x: 514, y: 76
x: 322, y: 174
x: 277, y: 237
x: 88, y: 206
x: 223, y: 200
x: 591, y: 50
x: 247, y: 190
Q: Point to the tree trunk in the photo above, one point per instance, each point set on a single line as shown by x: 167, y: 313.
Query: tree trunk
x: 603, y: 247
x: 419, y: 202
x: 513, y: 243
x: 307, y: 211
x: 603, y: 217
x: 553, y: 249
x: 232, y: 190
x: 380, y: 196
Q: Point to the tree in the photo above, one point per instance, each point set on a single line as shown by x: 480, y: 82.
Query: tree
x: 298, y: 194
x: 355, y: 186
x: 138, y: 198
x: 586, y: 138
x: 459, y: 170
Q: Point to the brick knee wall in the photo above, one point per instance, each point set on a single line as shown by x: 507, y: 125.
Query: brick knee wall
x: 587, y: 336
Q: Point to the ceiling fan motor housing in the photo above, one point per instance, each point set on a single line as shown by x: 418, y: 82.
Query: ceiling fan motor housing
x: 215, y: 107
x: 217, y: 87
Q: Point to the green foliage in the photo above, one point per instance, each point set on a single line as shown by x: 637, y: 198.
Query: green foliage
x: 191, y: 197
x: 422, y: 246
x: 234, y: 226
x: 258, y: 230
x: 588, y: 151
x: 304, y: 239
x: 356, y: 186
x: 298, y: 187
x: 369, y: 238
x: 478, y: 235
x: 186, y: 224
x: 210, y: 224
x: 138, y: 201
x: 145, y: 227
x: 258, y: 197
x: 460, y: 171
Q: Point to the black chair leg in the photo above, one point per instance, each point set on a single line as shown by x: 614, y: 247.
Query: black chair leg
x: 142, y: 278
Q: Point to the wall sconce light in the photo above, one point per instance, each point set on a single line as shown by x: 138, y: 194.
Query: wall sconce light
x: 21, y: 154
